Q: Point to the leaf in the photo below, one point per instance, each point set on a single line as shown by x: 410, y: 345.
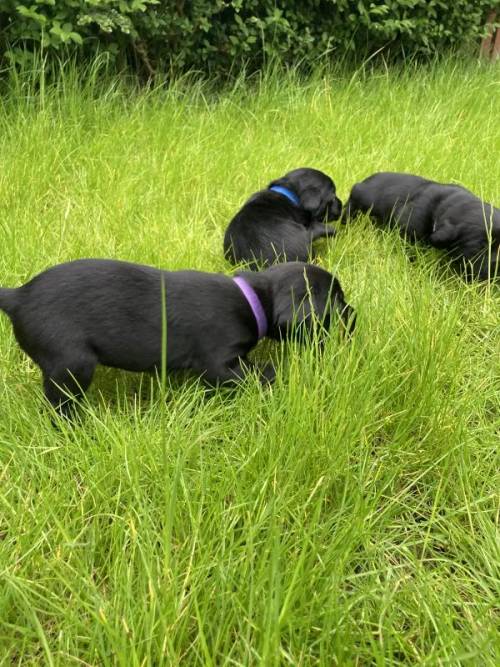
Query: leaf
x: 76, y: 37
x: 30, y: 12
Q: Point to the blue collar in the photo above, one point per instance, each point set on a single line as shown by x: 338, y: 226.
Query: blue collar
x: 287, y: 193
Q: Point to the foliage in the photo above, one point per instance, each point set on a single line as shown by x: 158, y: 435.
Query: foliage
x: 216, y: 35
x: 53, y: 25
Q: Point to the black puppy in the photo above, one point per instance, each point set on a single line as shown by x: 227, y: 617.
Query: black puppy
x: 281, y: 222
x: 469, y: 230
x: 446, y: 216
x: 74, y: 316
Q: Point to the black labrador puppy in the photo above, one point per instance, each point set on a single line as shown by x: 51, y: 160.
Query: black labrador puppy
x: 445, y: 216
x: 76, y: 315
x: 281, y: 222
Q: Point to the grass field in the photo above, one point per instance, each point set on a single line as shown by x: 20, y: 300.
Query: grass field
x: 349, y: 514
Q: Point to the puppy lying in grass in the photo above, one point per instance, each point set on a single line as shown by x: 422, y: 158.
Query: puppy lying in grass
x: 445, y: 216
x: 280, y: 223
x: 74, y: 316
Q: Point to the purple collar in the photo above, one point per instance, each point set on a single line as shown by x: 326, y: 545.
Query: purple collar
x: 255, y: 304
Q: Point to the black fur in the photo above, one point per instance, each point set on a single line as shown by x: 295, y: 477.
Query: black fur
x: 270, y: 228
x: 74, y: 316
x: 442, y: 215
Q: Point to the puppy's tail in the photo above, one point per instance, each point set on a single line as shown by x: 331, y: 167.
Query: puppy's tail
x: 8, y: 299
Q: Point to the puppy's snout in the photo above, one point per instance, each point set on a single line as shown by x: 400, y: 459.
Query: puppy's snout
x: 335, y: 209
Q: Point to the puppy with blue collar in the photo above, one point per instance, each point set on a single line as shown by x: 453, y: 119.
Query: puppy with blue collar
x: 280, y: 223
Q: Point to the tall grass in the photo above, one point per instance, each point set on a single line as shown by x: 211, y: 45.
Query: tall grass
x: 347, y: 515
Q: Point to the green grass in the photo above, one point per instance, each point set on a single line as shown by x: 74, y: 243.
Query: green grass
x: 349, y: 514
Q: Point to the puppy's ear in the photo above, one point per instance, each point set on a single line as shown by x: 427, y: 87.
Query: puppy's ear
x: 444, y: 234
x: 293, y: 311
x: 305, y: 305
x: 314, y: 203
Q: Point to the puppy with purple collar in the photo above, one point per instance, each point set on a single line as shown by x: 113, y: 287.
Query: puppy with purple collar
x: 76, y: 315
x: 280, y: 223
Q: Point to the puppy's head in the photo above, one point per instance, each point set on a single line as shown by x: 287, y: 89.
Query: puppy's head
x: 316, y: 192
x: 305, y: 299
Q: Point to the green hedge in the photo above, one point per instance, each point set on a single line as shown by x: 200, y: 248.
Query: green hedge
x: 215, y: 35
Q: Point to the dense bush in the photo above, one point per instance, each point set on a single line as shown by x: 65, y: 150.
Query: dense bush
x: 215, y: 34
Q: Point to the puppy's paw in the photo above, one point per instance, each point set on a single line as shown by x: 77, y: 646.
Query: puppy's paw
x: 267, y: 375
x: 321, y: 231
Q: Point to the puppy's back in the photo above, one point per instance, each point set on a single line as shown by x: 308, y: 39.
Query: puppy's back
x: 265, y: 230
x: 89, y: 283
x: 381, y: 192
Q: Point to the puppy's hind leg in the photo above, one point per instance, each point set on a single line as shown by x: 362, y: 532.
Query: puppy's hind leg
x: 65, y: 380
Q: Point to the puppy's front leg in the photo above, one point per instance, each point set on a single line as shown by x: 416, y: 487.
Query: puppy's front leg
x: 267, y: 375
x: 444, y: 234
x: 235, y: 370
x: 321, y: 230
